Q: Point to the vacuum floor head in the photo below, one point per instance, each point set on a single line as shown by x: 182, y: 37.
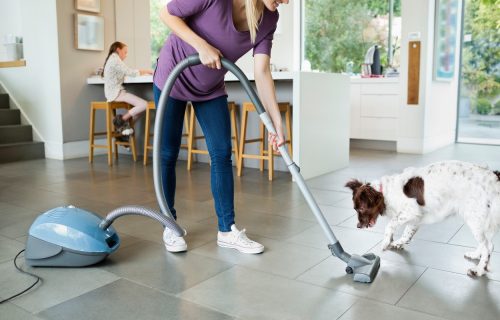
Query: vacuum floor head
x: 363, y: 267
x: 69, y: 237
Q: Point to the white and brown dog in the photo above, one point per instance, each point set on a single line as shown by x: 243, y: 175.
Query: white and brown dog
x: 430, y: 194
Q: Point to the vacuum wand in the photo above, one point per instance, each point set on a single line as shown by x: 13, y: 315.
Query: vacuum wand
x: 364, y: 267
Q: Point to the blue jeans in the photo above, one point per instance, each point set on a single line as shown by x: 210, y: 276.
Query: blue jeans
x: 213, y: 116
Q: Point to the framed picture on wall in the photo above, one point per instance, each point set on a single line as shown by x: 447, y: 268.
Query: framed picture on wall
x: 88, y: 5
x: 89, y: 32
x: 446, y: 34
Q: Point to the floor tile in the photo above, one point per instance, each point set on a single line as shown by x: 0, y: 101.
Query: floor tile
x: 13, y: 312
x: 370, y: 310
x: 439, y: 232
x: 438, y: 256
x: 454, y: 296
x: 266, y: 225
x: 248, y: 294
x: 353, y: 241
x: 119, y: 300
x: 390, y: 284
x: 9, y: 248
x: 280, y: 258
x: 465, y: 238
x: 149, y: 264
x: 148, y: 229
x: 333, y: 215
x: 58, y: 284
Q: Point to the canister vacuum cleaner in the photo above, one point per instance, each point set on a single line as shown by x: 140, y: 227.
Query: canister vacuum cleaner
x: 73, y: 237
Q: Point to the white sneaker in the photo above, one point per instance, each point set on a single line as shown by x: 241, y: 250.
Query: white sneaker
x: 238, y: 240
x: 172, y: 242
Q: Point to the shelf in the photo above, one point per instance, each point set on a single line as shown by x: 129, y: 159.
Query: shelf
x: 12, y: 64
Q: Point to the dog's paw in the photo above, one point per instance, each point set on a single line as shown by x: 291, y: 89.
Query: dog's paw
x: 476, y: 272
x: 397, y: 245
x: 472, y: 255
x: 386, y: 245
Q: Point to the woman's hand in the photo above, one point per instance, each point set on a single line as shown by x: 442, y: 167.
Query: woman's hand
x: 145, y: 71
x: 209, y: 56
x: 278, y: 139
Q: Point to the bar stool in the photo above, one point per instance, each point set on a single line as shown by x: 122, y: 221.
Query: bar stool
x: 264, y: 155
x: 192, y: 137
x: 148, y: 134
x: 111, y: 135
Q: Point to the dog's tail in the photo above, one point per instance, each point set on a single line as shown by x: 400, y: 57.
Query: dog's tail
x: 498, y: 174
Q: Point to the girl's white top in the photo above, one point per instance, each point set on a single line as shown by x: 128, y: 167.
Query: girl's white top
x: 114, y: 74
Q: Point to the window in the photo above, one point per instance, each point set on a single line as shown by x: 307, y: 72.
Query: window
x: 159, y: 31
x: 338, y: 31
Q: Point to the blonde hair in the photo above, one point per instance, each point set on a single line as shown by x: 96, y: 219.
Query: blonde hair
x: 253, y: 10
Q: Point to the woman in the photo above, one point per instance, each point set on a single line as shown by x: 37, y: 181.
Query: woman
x: 115, y: 71
x: 213, y: 28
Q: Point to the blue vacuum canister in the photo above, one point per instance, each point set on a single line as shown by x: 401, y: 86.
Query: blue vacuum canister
x: 69, y: 237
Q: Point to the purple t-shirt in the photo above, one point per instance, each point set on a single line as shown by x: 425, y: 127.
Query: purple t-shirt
x: 212, y: 20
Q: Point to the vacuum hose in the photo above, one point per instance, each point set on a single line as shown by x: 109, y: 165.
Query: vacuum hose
x: 167, y: 222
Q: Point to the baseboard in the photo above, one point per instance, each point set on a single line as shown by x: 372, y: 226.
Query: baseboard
x: 373, y: 145
x: 410, y: 145
x: 434, y: 143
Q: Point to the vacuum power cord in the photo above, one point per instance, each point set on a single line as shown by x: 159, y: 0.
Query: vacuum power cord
x: 38, y: 279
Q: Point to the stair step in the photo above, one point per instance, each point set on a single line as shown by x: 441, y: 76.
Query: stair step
x: 21, y: 151
x: 4, y: 101
x: 15, y: 133
x: 9, y: 117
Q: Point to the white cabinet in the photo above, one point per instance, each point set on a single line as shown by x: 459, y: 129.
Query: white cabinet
x: 374, y: 108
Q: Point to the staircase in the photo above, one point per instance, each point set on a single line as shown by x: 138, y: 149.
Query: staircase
x: 16, y: 139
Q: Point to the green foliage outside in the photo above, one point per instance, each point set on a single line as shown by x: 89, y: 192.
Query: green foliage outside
x: 159, y: 31
x: 496, y: 109
x: 338, y: 31
x: 481, y: 56
x: 483, y: 106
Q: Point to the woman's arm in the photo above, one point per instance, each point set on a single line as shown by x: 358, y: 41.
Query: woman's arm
x: 265, y: 87
x: 209, y: 55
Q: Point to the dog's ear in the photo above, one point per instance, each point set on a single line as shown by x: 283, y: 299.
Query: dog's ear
x: 354, y: 184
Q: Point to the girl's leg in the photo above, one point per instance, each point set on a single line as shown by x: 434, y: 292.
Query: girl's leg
x: 170, y: 144
x: 139, y: 104
x: 213, y: 116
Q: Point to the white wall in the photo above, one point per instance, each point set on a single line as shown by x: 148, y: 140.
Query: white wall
x: 36, y: 87
x: 10, y: 22
x: 75, y: 67
x: 282, y: 52
x: 133, y: 27
x: 432, y: 123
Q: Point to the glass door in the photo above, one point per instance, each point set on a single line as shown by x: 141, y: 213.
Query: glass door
x: 479, y: 94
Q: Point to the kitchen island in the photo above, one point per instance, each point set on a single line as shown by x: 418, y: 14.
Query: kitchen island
x: 320, y: 124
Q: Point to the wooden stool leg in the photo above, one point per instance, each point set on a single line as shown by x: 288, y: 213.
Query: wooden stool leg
x: 270, y: 159
x: 186, y: 119
x: 192, y: 133
x: 109, y: 134
x: 114, y: 141
x: 288, y: 119
x: 262, y: 144
x: 146, y: 137
x: 132, y: 146
x: 91, y: 133
x: 234, y: 136
x: 243, y: 134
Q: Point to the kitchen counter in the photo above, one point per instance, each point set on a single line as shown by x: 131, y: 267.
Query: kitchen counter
x: 12, y: 64
x: 320, y: 117
x: 229, y: 77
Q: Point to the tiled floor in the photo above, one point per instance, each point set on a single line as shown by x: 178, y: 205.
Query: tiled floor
x: 295, y: 278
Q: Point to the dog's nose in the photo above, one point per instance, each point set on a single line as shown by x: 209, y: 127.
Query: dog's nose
x: 359, y: 225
